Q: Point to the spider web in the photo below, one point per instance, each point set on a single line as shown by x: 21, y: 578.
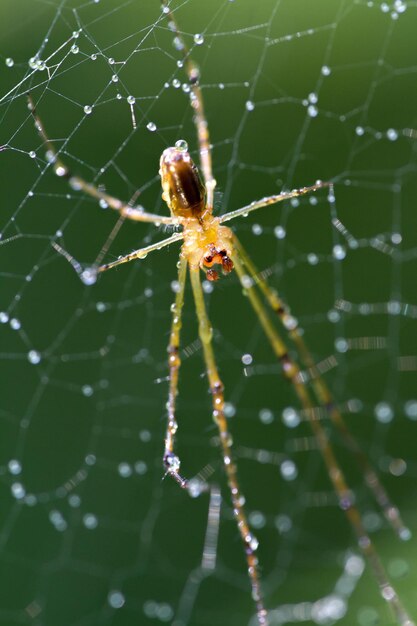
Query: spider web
x: 294, y: 91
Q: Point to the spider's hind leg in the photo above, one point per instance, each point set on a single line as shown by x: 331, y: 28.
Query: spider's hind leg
x: 346, y: 501
x: 217, y: 394
x: 322, y: 393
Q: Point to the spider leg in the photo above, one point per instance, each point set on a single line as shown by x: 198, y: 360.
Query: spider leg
x: 136, y: 213
x: 323, y: 394
x: 197, y: 104
x: 216, y: 389
x: 171, y: 461
x: 141, y: 253
x: 258, y: 204
x: 292, y: 373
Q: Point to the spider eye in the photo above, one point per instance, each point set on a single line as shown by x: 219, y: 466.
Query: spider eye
x: 183, y: 190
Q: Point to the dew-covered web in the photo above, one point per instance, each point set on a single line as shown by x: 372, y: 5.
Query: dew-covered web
x: 294, y: 91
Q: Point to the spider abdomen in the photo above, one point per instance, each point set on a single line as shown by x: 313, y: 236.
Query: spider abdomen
x: 183, y: 190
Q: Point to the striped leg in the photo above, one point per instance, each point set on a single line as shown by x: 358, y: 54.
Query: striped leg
x: 346, y: 503
x: 216, y: 388
x: 324, y: 396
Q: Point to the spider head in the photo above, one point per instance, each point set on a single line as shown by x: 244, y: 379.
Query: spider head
x: 183, y: 190
x: 216, y: 256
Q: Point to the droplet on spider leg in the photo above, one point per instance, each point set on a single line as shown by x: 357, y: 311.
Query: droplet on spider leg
x: 89, y: 276
x: 178, y: 44
x: 196, y: 487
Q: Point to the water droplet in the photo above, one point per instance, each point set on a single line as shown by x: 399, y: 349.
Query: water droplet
x: 103, y: 203
x: 283, y: 523
x: 125, y: 470
x: 32, y: 154
x: 4, y: 318
x: 313, y: 98
x: 75, y: 49
x: 312, y: 258
x: 257, y: 229
x: 141, y: 468
x: 60, y: 170
x: 341, y: 345
x: 198, y: 39
x: 247, y: 359
x: 93, y: 57
x: 9, y: 62
x: 410, y: 409
x: 181, y: 145
x: 74, y: 500
x: 116, y: 599
x: 18, y: 491
x: 249, y: 105
x: 14, y: 467
x: 400, y: 6
x: 151, y: 126
x: 88, y: 109
x: 290, y: 417
x: 178, y: 44
x: 288, y: 470
x: 266, y: 416
x: 257, y: 519
x: 339, y: 252
x: 89, y: 276
x: 15, y: 323
x: 176, y: 83
x: 34, y: 357
x: 131, y: 99
x: 111, y: 61
x: 90, y: 521
x: 87, y: 391
x: 392, y: 134
x: 359, y: 130
x: 312, y: 110
x: 384, y: 412
x: 279, y: 232
x: 325, y: 70
x: 115, y: 78
x: 33, y: 63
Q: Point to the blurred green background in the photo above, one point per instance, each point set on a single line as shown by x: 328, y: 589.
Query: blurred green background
x: 295, y: 91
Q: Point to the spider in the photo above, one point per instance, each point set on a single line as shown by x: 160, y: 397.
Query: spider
x: 211, y: 248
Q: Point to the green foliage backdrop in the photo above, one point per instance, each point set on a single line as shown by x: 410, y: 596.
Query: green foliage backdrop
x: 295, y: 91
